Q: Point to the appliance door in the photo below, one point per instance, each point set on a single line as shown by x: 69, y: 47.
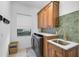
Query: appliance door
x: 37, y: 47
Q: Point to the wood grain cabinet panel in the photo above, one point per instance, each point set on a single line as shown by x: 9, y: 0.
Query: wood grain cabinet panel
x: 40, y: 20
x: 72, y: 52
x: 59, y: 52
x: 56, y: 14
x: 45, y: 45
x: 45, y: 19
x: 50, y: 50
x: 50, y: 14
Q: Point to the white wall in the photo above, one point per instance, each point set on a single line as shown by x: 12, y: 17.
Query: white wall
x: 35, y: 21
x: 4, y: 28
x: 68, y: 7
x: 24, y: 21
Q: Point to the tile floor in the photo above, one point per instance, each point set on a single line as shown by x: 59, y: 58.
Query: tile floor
x: 24, y: 53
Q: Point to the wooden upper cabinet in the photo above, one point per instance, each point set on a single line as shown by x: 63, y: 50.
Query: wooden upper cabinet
x: 45, y: 19
x: 56, y: 14
x: 49, y: 17
x: 40, y: 20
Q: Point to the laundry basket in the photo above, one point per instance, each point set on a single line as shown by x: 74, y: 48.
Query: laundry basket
x: 13, y: 47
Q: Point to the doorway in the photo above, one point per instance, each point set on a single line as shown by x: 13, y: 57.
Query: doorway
x: 24, y: 24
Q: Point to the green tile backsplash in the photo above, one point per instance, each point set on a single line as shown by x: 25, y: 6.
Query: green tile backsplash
x: 70, y: 24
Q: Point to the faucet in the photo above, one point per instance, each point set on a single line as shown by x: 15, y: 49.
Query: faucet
x: 65, y: 36
x: 64, y: 33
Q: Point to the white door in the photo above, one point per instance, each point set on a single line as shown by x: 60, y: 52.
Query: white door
x: 24, y: 22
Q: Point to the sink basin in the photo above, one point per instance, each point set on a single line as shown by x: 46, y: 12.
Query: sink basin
x: 61, y: 42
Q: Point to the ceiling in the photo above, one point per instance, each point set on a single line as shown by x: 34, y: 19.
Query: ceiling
x: 34, y: 4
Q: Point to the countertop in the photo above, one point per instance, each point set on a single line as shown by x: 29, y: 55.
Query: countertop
x: 46, y: 34
x: 66, y: 47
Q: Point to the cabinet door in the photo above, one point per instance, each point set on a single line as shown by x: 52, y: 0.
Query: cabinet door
x: 45, y: 47
x: 50, y: 15
x: 54, y: 51
x: 58, y: 52
x: 72, y: 52
x: 53, y: 14
x: 45, y: 18
x: 56, y: 14
x: 40, y: 20
x: 49, y: 50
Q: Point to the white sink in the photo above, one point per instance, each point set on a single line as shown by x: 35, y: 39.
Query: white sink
x: 62, y: 43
